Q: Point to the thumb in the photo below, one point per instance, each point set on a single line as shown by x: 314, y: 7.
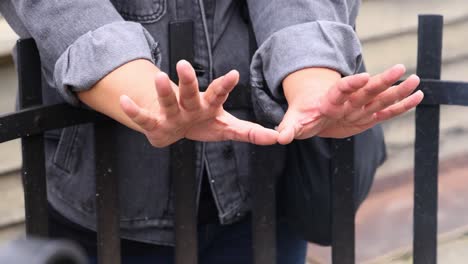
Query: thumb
x: 289, y: 127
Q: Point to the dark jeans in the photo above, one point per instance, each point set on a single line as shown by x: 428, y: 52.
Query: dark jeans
x: 217, y: 244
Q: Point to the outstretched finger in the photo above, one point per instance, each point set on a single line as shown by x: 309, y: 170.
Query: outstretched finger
x: 219, y: 89
x: 137, y: 114
x: 166, y: 96
x: 400, y: 107
x: 391, y: 96
x: 287, y: 134
x: 188, y: 86
x: 332, y: 104
x: 376, y: 85
x: 245, y: 131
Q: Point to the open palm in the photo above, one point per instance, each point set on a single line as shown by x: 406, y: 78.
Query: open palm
x: 351, y: 105
x: 184, y: 112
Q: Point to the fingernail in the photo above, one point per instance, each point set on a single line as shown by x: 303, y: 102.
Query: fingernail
x: 399, y: 65
x: 183, y: 62
x: 161, y: 74
x: 414, y: 76
x: 363, y: 74
x: 229, y: 72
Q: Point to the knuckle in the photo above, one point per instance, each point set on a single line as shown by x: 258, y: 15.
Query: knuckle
x: 150, y: 124
x: 168, y: 102
x: 190, y: 82
x: 229, y: 134
x: 140, y: 120
x: 157, y: 142
x: 189, y: 94
x: 172, y: 111
x: 190, y: 105
x: 370, y: 92
x: 386, y: 81
x: 356, y: 103
x: 344, y: 86
x: 402, y: 93
x: 213, y: 103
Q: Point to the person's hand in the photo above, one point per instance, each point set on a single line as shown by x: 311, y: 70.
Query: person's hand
x: 321, y: 103
x: 184, y: 112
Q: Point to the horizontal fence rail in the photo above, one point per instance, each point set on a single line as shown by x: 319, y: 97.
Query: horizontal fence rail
x: 437, y: 92
x: 38, y: 119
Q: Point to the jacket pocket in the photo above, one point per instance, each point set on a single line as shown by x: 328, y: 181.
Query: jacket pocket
x: 143, y: 11
x: 63, y: 158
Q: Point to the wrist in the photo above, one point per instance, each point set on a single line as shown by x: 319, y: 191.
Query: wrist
x: 134, y: 79
x: 316, y: 80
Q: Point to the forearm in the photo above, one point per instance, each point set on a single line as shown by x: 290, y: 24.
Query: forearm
x: 320, y: 34
x: 134, y: 79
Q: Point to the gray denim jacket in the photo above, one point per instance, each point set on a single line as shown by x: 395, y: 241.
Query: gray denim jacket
x: 82, y: 41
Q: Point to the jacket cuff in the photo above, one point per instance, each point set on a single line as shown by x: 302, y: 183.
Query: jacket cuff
x: 314, y: 44
x: 97, y: 53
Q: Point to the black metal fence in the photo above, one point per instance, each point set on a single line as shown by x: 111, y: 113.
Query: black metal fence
x: 33, y: 119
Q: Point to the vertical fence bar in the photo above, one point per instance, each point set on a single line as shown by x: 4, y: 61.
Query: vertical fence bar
x: 183, y: 156
x: 263, y: 213
x: 107, y: 194
x: 33, y: 169
x: 427, y: 144
x: 343, y: 205
x: 183, y: 175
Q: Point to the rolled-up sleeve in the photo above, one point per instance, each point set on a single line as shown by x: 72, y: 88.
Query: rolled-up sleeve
x: 106, y: 48
x: 298, y: 34
x: 79, y: 41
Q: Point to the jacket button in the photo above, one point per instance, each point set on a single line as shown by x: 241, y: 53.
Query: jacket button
x: 199, y: 70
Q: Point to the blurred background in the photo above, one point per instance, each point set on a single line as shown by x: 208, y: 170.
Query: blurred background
x: 384, y: 222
